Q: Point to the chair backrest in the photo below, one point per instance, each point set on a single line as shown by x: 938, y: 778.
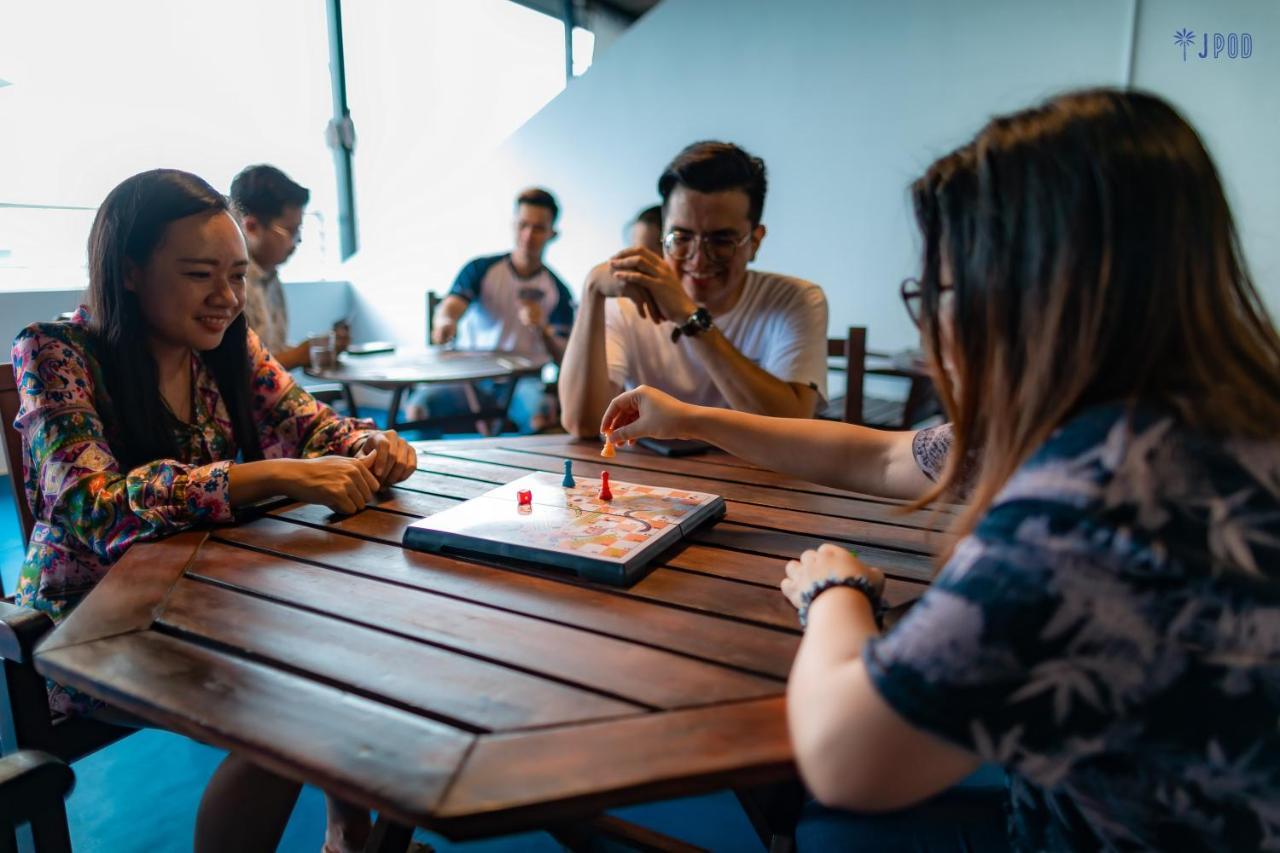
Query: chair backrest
x: 433, y: 302
x: 13, y: 448
x: 853, y: 349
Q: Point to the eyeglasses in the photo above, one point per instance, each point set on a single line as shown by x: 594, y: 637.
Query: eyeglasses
x: 295, y: 235
x: 683, y: 245
x: 913, y: 297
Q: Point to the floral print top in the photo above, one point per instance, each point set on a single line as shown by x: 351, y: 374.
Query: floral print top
x: 1110, y: 635
x: 88, y: 511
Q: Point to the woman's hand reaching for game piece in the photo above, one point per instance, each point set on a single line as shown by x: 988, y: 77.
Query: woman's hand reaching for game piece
x: 394, y: 459
x: 646, y: 412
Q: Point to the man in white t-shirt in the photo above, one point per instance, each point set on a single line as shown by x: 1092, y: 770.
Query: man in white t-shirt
x: 696, y: 322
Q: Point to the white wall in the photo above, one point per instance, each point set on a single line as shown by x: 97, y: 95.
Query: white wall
x: 847, y: 102
x: 1235, y: 105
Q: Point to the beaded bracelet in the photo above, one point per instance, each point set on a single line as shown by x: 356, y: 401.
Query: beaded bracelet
x: 861, y: 584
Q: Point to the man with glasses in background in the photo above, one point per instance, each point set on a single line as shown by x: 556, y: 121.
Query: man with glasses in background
x: 270, y: 205
x: 695, y: 322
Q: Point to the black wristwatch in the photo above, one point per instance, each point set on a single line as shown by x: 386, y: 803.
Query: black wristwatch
x: 699, y: 321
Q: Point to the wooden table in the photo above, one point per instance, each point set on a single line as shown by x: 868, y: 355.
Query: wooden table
x: 400, y: 371
x: 467, y: 698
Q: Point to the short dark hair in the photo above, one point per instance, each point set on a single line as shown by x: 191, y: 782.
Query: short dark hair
x: 650, y: 216
x: 265, y: 192
x: 709, y: 167
x: 538, y: 197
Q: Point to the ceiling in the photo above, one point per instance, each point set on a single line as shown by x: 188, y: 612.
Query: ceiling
x: 631, y: 9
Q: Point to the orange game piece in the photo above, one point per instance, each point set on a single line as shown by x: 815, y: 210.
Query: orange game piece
x: 607, y: 451
x: 605, y: 494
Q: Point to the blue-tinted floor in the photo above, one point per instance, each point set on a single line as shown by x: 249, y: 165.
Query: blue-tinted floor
x: 141, y: 793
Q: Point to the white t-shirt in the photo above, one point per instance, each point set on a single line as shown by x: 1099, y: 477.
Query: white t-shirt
x: 780, y: 323
x: 494, y: 292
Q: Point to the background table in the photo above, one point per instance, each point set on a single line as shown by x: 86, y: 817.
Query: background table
x: 399, y: 371
x: 467, y: 698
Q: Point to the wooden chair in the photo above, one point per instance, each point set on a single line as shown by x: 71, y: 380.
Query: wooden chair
x: 855, y: 407
x: 25, y: 721
x: 433, y: 302
x: 32, y: 788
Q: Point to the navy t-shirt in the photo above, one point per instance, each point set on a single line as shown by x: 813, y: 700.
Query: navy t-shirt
x: 495, y: 292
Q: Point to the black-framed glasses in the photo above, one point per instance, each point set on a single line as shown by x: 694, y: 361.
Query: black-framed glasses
x: 913, y: 297
x: 719, y: 247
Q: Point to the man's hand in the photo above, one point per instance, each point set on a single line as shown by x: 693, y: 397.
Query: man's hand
x: 531, y: 314
x: 443, y: 330
x: 641, y: 268
x: 341, y: 336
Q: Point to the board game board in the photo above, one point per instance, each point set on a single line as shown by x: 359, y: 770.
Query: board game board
x: 612, y: 541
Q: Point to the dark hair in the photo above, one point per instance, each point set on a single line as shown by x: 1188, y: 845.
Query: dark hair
x: 539, y: 197
x: 265, y: 191
x: 650, y: 216
x: 710, y: 167
x: 1094, y: 260
x: 128, y: 227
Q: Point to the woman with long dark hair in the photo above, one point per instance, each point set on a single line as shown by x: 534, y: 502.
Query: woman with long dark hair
x: 1104, y: 625
x: 155, y: 409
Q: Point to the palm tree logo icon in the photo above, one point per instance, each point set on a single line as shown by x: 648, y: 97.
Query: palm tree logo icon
x: 1184, y: 39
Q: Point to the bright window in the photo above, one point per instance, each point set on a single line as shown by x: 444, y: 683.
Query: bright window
x: 100, y: 91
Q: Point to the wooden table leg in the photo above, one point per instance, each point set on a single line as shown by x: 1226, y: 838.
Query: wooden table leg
x: 393, y: 411
x: 388, y: 837
x: 588, y: 835
x: 774, y: 811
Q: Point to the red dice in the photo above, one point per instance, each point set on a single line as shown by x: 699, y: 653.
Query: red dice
x: 524, y: 497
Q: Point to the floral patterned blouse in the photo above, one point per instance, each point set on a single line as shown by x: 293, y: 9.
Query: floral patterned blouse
x: 1110, y: 635
x: 88, y: 512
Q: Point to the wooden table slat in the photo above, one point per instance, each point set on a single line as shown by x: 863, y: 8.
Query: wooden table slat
x: 548, y: 594
x: 700, y: 467
x: 466, y: 691
x: 606, y: 665
x: 916, y: 529
x: 515, y: 781
x: 128, y: 598
x: 357, y: 749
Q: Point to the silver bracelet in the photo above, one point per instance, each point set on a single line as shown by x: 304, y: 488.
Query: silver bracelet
x: 860, y: 583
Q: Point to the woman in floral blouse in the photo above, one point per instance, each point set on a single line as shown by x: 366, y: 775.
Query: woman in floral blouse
x: 1106, y: 625
x: 155, y: 409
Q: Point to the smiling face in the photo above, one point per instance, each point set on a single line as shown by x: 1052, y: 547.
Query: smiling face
x: 714, y: 283
x: 192, y: 286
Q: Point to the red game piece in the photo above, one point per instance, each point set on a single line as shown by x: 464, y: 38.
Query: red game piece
x: 605, y: 494
x: 524, y: 497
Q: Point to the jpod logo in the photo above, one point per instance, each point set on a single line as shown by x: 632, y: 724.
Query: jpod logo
x: 1232, y: 45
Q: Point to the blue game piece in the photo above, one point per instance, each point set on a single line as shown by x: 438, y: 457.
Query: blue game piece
x: 567, y: 482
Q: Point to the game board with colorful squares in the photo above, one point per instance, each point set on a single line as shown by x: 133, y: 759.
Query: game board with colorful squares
x: 606, y: 531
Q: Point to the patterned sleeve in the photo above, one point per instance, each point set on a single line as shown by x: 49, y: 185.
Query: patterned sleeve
x: 74, y: 483
x: 1003, y: 656
x: 291, y: 423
